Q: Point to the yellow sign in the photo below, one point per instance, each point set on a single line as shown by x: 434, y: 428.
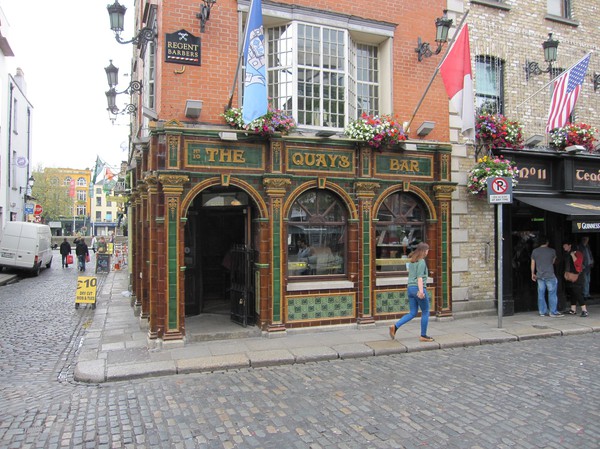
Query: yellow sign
x: 86, y: 290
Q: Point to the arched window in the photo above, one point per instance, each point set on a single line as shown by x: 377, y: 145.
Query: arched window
x: 81, y: 182
x: 316, y: 237
x: 67, y: 181
x: 400, y: 226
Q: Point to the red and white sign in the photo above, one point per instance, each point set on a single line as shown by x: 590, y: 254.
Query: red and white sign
x: 37, y: 210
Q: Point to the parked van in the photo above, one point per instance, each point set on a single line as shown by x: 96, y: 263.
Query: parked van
x: 26, y: 246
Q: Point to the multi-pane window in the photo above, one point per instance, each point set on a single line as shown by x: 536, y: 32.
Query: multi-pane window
x: 316, y: 235
x: 400, y: 226
x: 98, y: 201
x: 320, y: 75
x: 560, y: 8
x: 67, y: 181
x: 81, y: 195
x: 81, y: 209
x: 489, y: 85
x: 81, y: 182
x: 98, y: 215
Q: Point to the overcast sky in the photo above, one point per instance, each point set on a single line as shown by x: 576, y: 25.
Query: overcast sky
x: 62, y: 48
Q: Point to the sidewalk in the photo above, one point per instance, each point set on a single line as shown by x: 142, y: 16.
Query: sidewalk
x: 116, y: 348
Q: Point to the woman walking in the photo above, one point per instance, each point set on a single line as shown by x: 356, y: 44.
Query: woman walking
x: 417, y: 293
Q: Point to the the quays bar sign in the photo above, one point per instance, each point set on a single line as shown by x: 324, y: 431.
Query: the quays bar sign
x: 301, y: 159
x: 182, y: 47
x: 223, y: 155
x: 393, y: 164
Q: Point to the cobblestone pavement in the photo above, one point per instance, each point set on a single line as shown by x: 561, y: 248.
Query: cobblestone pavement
x: 542, y: 393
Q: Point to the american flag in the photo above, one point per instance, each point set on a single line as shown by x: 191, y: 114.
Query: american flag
x: 566, y: 90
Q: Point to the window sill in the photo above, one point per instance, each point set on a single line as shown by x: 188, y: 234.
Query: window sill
x: 318, y: 285
x: 396, y: 280
x: 492, y: 4
x: 560, y: 19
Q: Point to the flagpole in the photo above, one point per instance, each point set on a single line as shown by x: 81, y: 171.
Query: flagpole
x: 551, y: 81
x: 437, y: 69
x: 239, y: 63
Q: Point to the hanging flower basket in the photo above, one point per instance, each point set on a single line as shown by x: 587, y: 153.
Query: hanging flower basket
x: 273, y: 121
x: 497, y: 131
x: 376, y: 131
x: 574, y: 134
x: 486, y: 167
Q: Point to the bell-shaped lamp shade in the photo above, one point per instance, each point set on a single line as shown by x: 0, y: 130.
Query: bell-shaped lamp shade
x: 550, y: 49
x: 442, y: 26
x: 111, y: 98
x: 112, y: 74
x: 116, y: 12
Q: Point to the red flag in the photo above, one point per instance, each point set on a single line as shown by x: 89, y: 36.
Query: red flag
x: 109, y: 174
x: 566, y: 91
x: 72, y: 188
x: 458, y: 81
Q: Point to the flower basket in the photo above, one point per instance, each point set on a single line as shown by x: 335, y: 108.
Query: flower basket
x: 376, y: 131
x: 574, y: 134
x: 497, y: 131
x: 486, y: 167
x: 272, y: 122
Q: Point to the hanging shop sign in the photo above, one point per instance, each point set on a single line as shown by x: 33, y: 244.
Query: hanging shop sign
x: 585, y: 226
x: 182, y: 47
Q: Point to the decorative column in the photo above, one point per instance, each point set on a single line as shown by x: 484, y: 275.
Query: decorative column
x: 135, y: 278
x: 139, y: 253
x: 365, y: 192
x: 152, y: 185
x: 276, y: 189
x: 172, y: 187
x: 143, y: 253
x: 443, y: 195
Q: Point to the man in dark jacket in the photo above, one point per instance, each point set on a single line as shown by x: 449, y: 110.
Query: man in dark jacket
x: 65, y: 250
x: 82, y: 253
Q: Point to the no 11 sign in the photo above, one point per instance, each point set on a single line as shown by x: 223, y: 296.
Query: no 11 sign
x: 499, y: 190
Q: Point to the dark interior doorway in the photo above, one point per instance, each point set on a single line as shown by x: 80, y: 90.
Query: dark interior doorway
x: 217, y: 221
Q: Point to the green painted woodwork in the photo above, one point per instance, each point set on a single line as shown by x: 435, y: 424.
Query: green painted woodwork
x: 172, y: 269
x: 366, y: 243
x: 398, y: 165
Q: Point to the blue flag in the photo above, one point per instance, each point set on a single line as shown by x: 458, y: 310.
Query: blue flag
x: 255, y: 84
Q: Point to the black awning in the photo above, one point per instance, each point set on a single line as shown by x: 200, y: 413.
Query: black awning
x: 573, y: 207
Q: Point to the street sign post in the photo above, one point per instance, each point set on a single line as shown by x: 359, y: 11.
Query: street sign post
x: 499, y: 190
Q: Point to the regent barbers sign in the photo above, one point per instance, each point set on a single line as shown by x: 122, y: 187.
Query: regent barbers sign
x: 182, y: 48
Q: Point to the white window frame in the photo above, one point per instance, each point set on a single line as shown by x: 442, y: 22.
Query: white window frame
x: 357, y: 31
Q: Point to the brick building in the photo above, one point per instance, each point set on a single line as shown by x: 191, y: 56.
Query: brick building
x: 218, y: 215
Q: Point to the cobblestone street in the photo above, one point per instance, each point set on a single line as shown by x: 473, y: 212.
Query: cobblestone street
x: 541, y: 393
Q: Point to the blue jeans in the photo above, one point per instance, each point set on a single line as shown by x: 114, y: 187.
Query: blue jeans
x: 549, y: 285
x: 586, y: 281
x: 81, y: 260
x: 414, y: 303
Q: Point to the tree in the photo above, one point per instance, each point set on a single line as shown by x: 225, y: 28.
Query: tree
x: 52, y: 195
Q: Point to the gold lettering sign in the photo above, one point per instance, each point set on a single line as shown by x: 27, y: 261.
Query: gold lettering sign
x: 319, y: 160
x: 404, y: 165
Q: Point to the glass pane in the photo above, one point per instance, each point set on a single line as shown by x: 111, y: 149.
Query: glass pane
x: 401, y: 226
x: 316, y: 235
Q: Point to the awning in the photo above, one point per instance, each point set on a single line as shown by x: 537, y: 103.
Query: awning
x: 573, y: 207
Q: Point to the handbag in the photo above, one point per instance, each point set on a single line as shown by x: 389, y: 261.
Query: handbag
x: 69, y: 258
x: 571, y: 277
x: 87, y: 257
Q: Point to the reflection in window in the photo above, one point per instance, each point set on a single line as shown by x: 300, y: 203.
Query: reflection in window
x: 316, y: 236
x: 489, y: 84
x: 320, y: 75
x: 400, y: 226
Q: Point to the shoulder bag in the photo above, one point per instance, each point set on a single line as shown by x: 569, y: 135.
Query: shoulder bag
x: 571, y: 277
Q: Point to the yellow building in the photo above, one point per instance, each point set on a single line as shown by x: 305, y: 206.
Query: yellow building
x: 74, y: 214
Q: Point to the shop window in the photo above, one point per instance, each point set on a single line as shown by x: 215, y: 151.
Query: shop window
x: 400, y: 226
x: 316, y: 235
x: 489, y: 85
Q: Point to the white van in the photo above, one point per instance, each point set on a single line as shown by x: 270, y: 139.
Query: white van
x: 26, y: 246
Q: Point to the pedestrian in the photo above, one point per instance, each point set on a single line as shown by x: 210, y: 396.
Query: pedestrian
x: 542, y: 271
x: 65, y: 250
x: 588, y: 264
x: 574, y: 265
x: 94, y: 244
x: 417, y: 292
x: 81, y: 250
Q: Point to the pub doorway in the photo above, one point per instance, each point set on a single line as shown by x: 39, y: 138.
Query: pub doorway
x: 218, y: 224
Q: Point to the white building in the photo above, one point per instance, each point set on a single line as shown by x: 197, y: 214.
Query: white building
x: 15, y: 135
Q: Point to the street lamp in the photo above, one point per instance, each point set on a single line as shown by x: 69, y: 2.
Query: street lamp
x: 550, y: 47
x: 116, y: 12
x: 112, y: 76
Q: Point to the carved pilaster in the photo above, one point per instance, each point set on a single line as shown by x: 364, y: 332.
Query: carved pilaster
x: 276, y: 186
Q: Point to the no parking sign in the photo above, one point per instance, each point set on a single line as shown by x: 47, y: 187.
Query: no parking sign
x: 499, y: 190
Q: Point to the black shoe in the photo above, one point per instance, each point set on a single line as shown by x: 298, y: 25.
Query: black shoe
x: 584, y: 314
x: 571, y: 312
